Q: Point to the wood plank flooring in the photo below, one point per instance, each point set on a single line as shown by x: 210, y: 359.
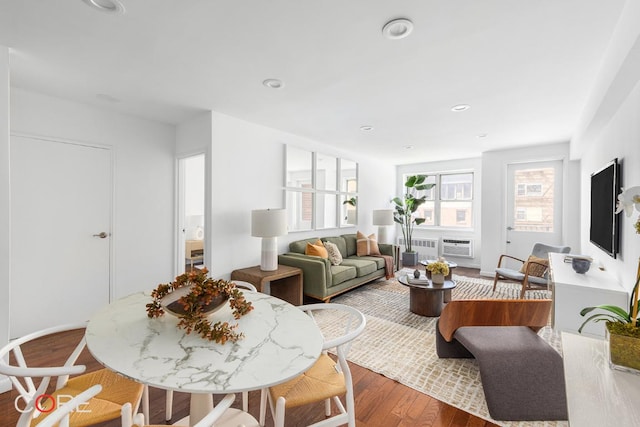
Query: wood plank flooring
x: 380, y: 402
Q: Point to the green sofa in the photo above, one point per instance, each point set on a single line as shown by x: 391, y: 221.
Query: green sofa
x: 322, y: 281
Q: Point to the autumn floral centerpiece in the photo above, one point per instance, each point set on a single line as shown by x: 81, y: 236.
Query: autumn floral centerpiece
x: 196, y: 296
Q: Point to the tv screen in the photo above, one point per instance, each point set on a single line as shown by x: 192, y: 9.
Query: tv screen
x: 605, y: 187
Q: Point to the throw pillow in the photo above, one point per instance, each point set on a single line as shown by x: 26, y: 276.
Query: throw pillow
x: 366, y: 245
x: 316, y: 249
x: 335, y: 257
x: 535, y: 269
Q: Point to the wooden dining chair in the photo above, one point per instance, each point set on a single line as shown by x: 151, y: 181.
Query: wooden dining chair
x: 327, y: 380
x: 70, y: 380
x: 245, y: 395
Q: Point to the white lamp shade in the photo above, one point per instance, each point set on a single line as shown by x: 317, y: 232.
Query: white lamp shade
x: 383, y: 217
x: 269, y: 222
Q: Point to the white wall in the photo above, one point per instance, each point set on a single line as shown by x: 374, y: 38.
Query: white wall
x: 463, y: 165
x: 494, y: 182
x: 610, y: 127
x: 247, y: 163
x: 144, y: 151
x: 5, y: 207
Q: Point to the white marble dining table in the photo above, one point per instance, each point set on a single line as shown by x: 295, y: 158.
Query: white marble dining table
x: 279, y: 343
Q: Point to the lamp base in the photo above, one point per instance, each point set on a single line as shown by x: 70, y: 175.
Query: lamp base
x: 382, y: 234
x: 269, y: 254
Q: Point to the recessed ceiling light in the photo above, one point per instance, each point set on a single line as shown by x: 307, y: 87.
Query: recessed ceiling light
x: 408, y: 147
x: 482, y: 135
x: 460, y: 107
x: 366, y: 128
x: 109, y: 6
x: 273, y: 83
x: 397, y: 29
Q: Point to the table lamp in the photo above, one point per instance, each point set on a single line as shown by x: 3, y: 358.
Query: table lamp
x: 269, y: 224
x: 382, y: 218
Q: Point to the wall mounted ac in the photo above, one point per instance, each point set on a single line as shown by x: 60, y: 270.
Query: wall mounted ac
x: 462, y: 248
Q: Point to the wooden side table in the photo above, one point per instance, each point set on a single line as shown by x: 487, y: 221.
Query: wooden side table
x: 285, y: 282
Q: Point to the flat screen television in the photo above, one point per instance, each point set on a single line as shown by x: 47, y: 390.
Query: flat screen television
x: 605, y: 187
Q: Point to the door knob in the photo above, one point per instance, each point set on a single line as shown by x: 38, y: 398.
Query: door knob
x: 101, y: 235
x: 509, y: 228
x: 508, y: 241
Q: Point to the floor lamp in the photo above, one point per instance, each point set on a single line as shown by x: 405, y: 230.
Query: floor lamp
x: 383, y: 218
x: 269, y: 224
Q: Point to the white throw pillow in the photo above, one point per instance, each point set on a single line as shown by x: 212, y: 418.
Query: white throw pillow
x: 335, y: 257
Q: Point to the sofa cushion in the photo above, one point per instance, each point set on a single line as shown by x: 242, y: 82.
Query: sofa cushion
x: 351, y: 243
x: 366, y: 245
x: 342, y: 273
x: 299, y: 246
x: 316, y: 249
x: 363, y: 266
x: 378, y: 260
x: 335, y: 257
x: 339, y: 242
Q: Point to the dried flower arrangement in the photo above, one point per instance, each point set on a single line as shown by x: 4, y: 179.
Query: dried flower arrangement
x: 192, y: 308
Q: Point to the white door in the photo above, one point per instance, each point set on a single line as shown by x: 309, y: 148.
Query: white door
x: 60, y: 205
x: 534, y: 206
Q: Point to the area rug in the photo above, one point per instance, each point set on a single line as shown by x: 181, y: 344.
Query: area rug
x: 401, y: 345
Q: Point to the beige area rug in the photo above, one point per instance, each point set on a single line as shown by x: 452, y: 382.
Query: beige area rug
x: 401, y: 345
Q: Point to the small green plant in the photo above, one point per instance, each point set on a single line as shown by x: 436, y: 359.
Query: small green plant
x: 406, y: 207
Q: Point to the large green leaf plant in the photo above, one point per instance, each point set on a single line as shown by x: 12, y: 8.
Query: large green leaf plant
x: 406, y: 207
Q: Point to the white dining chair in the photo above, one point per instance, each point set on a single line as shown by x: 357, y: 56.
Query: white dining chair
x: 106, y: 405
x: 245, y: 395
x: 327, y: 380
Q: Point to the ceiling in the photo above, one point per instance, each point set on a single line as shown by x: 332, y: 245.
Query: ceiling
x: 525, y: 67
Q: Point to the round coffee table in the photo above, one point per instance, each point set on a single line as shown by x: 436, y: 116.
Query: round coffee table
x: 425, y: 298
x: 452, y: 265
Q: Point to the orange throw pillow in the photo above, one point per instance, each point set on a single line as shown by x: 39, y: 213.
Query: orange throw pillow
x: 316, y: 249
x: 366, y: 245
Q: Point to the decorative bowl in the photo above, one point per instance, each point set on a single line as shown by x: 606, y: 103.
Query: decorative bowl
x: 580, y: 265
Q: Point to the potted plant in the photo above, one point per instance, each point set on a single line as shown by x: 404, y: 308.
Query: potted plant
x: 405, y: 209
x: 622, y: 326
x: 438, y: 270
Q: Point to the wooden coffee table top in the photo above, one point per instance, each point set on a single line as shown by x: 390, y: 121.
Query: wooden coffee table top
x: 427, y: 285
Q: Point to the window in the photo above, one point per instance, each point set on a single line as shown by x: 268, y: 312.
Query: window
x: 316, y: 186
x: 533, y: 202
x: 450, y: 202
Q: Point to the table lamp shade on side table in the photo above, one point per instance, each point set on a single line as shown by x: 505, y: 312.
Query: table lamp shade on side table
x: 383, y: 218
x: 269, y: 224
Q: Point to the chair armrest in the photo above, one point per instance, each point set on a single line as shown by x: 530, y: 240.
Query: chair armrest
x: 508, y: 256
x: 316, y: 271
x: 458, y: 313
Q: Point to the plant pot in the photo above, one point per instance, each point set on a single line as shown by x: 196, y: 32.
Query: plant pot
x: 437, y: 278
x: 409, y: 258
x: 624, y: 352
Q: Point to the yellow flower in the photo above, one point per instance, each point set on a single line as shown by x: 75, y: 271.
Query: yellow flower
x: 438, y: 267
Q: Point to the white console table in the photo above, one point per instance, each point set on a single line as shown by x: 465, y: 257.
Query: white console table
x: 596, y: 394
x: 573, y: 291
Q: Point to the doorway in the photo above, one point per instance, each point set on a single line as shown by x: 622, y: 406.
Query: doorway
x: 61, y: 232
x: 191, y: 203
x: 534, y: 206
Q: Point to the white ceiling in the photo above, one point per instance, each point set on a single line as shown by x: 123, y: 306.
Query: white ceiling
x: 524, y: 66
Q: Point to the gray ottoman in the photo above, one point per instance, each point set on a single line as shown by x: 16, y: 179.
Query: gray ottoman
x: 521, y: 374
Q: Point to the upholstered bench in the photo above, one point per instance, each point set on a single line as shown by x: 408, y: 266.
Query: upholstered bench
x: 522, y: 375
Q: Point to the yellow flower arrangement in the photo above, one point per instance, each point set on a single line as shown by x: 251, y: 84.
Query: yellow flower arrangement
x: 438, y: 267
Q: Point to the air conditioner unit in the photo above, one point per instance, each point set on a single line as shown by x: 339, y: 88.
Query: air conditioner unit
x: 462, y: 248
x: 426, y: 248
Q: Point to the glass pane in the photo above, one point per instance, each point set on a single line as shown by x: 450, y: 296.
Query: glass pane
x: 533, y: 201
x: 456, y: 214
x: 326, y: 210
x: 299, y: 163
x: 326, y: 172
x: 348, y: 213
x: 299, y: 210
x: 348, y: 176
x: 427, y: 211
x: 456, y: 186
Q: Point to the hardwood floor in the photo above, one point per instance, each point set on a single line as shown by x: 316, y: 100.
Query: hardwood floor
x: 380, y: 402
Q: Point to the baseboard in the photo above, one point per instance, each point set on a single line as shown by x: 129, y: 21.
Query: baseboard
x: 5, y: 384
